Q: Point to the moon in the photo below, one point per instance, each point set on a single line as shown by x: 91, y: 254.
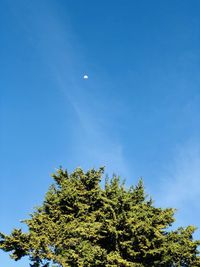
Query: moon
x: 85, y: 77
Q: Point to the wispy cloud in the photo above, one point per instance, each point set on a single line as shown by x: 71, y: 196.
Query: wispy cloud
x: 180, y: 188
x: 93, y: 144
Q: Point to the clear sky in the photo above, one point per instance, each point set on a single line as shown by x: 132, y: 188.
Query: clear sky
x: 138, y: 113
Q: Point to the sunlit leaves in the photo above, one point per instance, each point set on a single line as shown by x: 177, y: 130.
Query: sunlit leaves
x: 82, y: 224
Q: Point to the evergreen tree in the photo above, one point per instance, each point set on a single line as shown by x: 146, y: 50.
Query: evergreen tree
x: 82, y: 224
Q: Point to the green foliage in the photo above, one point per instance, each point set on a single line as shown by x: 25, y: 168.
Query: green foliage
x: 81, y: 224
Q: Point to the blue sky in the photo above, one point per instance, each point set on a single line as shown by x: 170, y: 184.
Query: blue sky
x: 137, y: 114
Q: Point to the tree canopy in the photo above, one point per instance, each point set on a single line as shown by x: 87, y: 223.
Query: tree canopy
x: 81, y: 223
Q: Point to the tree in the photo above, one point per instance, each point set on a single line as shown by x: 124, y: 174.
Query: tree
x: 82, y: 224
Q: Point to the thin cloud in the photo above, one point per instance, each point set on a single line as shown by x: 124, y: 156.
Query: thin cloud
x: 185, y: 181
x: 180, y: 188
x: 96, y: 147
x: 94, y: 144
